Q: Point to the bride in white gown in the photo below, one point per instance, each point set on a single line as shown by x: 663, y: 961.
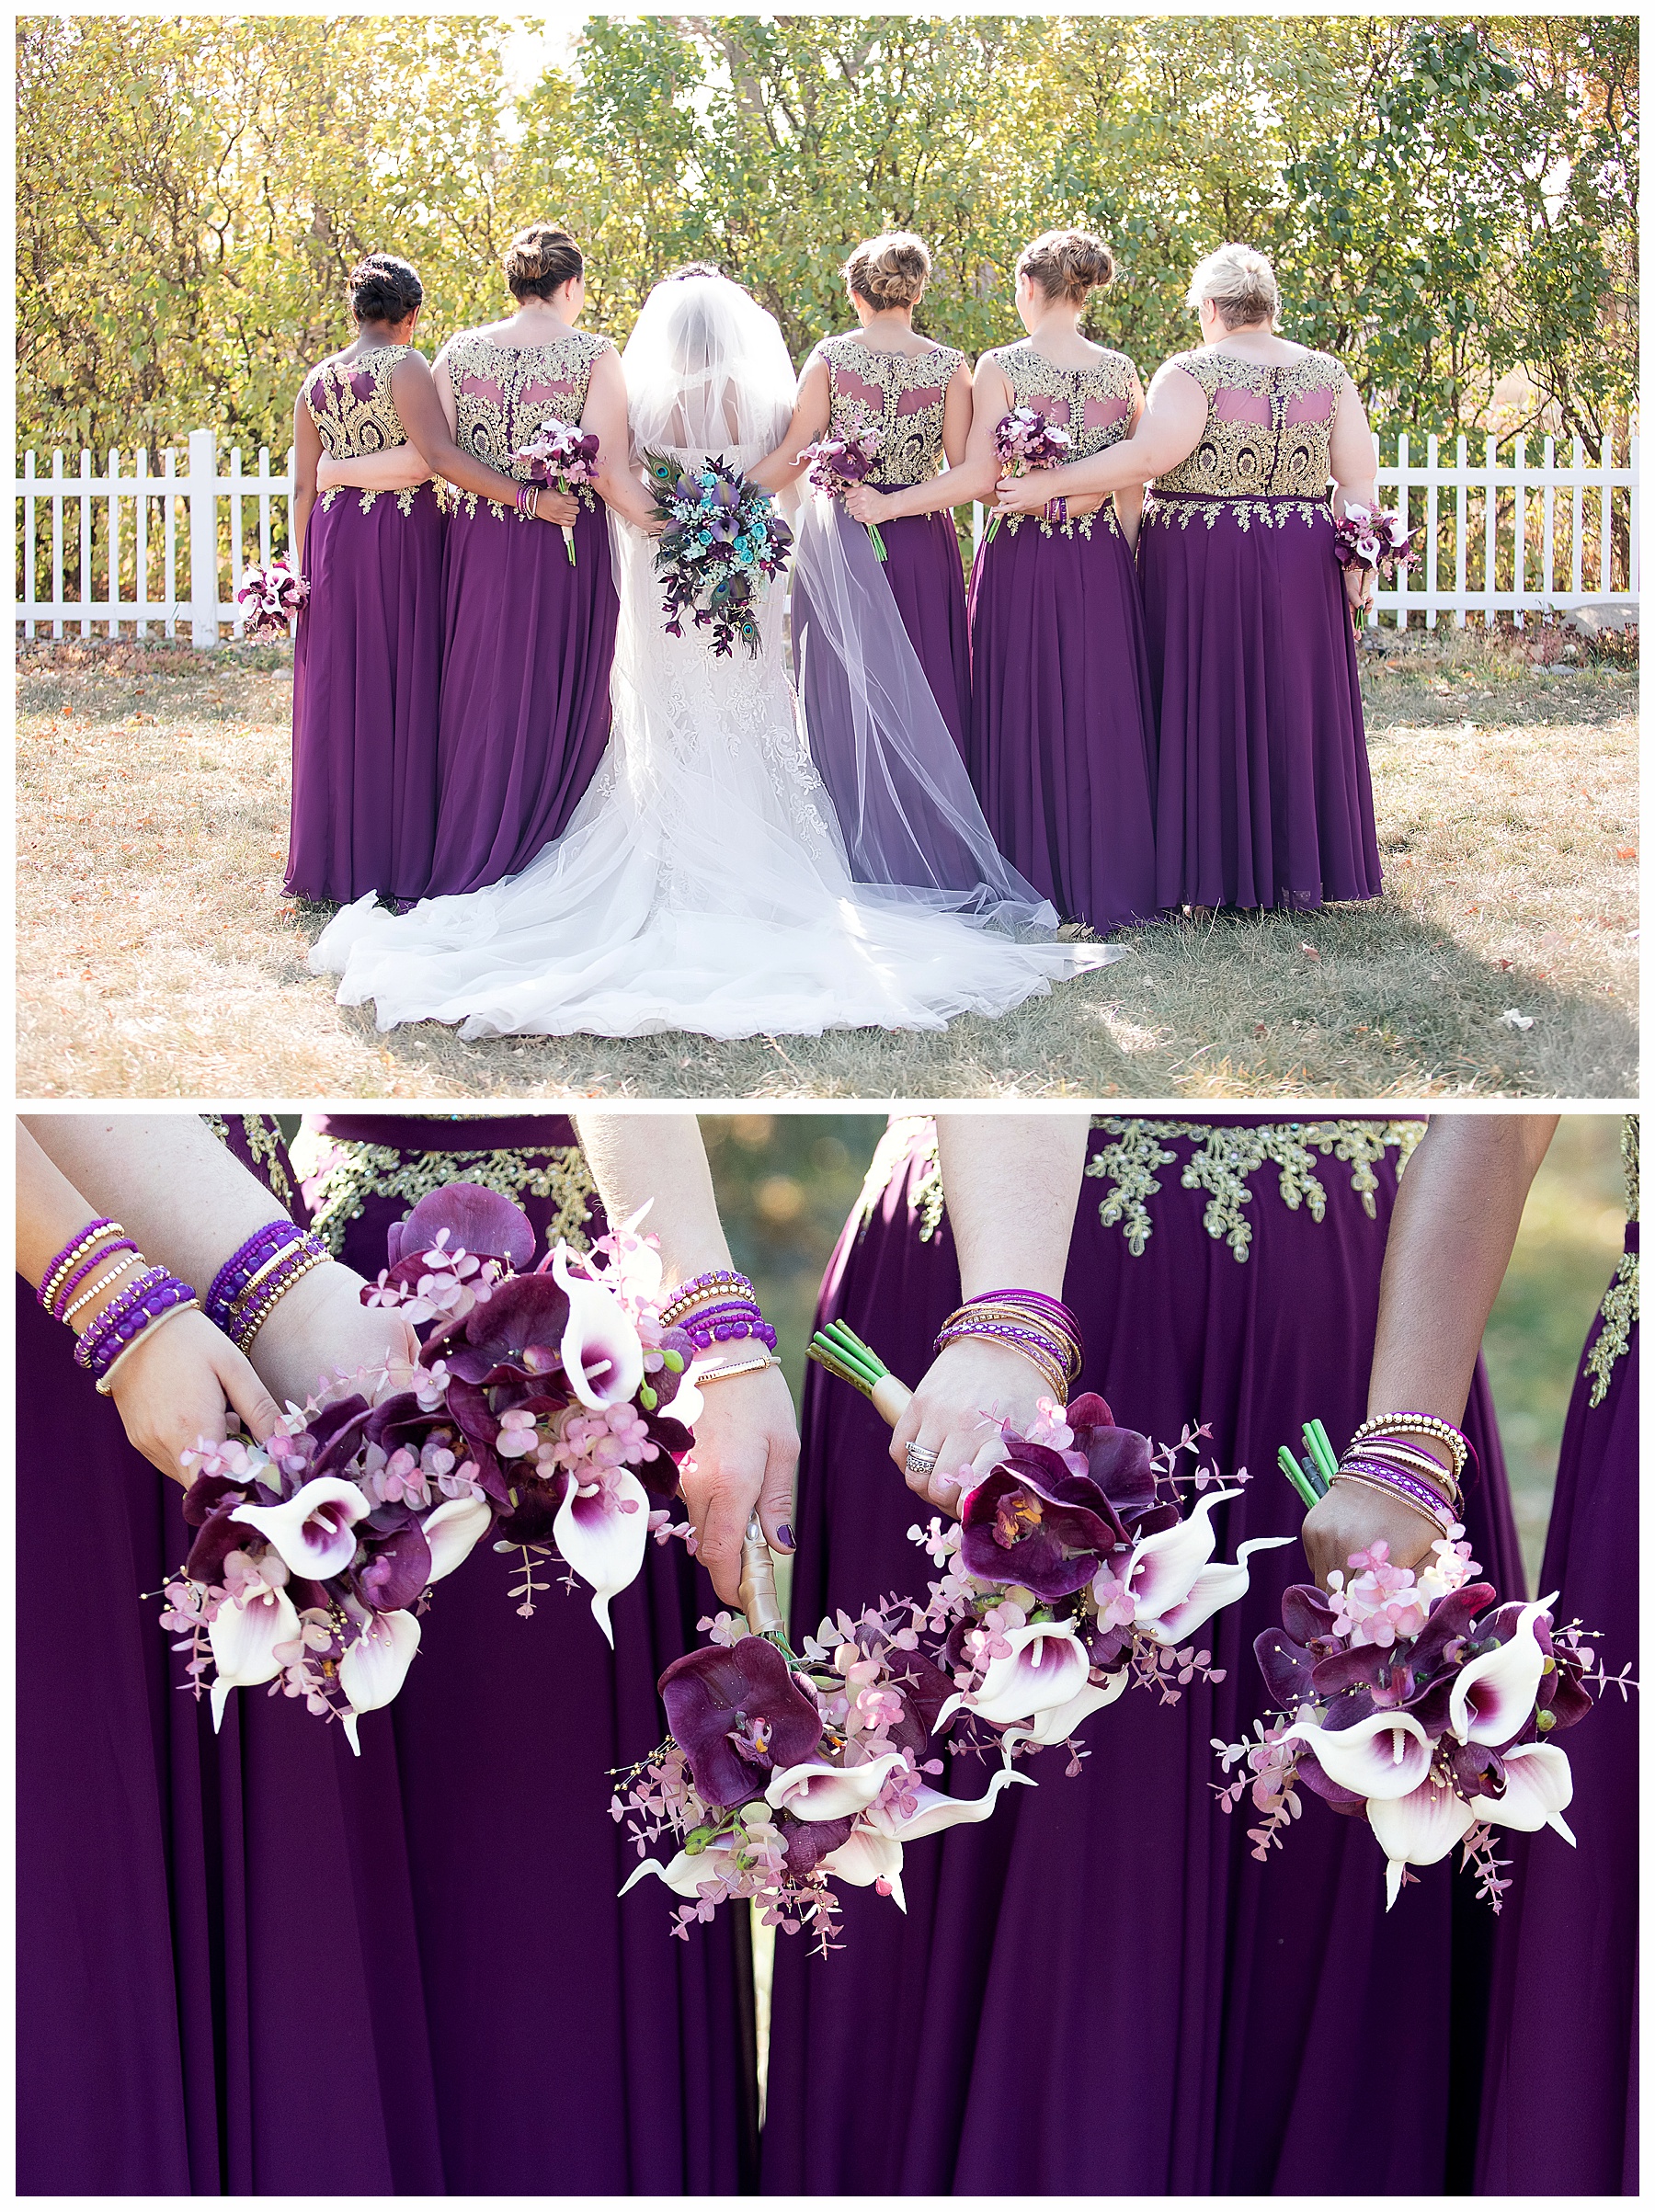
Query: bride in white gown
x: 701, y: 883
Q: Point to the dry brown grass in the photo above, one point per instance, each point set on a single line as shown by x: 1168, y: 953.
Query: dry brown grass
x: 157, y: 957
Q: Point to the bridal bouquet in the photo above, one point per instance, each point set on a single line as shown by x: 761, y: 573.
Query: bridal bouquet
x: 838, y: 463
x: 1072, y: 1573
x: 547, y: 1406
x: 566, y: 457
x: 1024, y: 440
x: 724, y: 542
x: 272, y: 598
x: 1419, y: 1702
x: 1373, y: 537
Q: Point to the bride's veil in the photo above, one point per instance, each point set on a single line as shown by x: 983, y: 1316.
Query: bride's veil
x: 707, y: 370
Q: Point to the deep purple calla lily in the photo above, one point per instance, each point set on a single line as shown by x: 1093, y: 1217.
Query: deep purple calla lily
x: 809, y: 1841
x: 477, y: 1220
x: 207, y: 1493
x: 397, y: 1572
x: 737, y: 1715
x: 1286, y: 1668
x: 517, y: 1333
x: 1307, y: 1614
x: 337, y: 1432
x: 219, y: 1535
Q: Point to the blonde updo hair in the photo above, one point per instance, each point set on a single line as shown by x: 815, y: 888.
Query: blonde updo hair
x: 890, y: 270
x: 1240, y: 284
x: 1065, y: 264
x: 540, y: 260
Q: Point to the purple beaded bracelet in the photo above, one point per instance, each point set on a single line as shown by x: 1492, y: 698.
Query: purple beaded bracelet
x: 126, y: 1317
x: 244, y: 1263
x: 60, y: 1304
x: 1414, y: 1487
x: 724, y: 1323
x: 76, y: 1243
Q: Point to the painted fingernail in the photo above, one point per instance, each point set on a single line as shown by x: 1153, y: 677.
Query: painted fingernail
x: 784, y: 1536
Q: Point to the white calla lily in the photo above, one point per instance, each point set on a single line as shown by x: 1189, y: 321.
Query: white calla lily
x: 1163, y: 1567
x: 602, y: 1356
x: 936, y: 1811
x: 1058, y: 1723
x: 452, y: 1530
x: 313, y: 1530
x: 1214, y: 1588
x: 374, y: 1668
x: 1493, y: 1696
x: 641, y: 1267
x: 866, y: 1857
x: 602, y: 1540
x: 1538, y: 1785
x: 684, y: 1873
x: 814, y: 1791
x: 244, y: 1638
x: 1387, y: 1755
x: 1417, y: 1830
x: 1046, y: 1666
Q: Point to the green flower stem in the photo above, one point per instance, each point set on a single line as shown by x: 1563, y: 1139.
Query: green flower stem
x: 1296, y: 1476
x: 1322, y: 1451
x: 842, y: 1352
x: 878, y: 542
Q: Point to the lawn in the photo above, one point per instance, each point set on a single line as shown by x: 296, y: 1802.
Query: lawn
x: 158, y: 958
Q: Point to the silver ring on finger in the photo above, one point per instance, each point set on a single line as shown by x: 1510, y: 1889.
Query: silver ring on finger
x: 917, y: 1462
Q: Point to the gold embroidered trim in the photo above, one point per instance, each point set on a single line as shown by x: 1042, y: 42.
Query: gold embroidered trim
x: 1078, y: 526
x: 266, y: 1147
x: 1235, y: 459
x: 1275, y: 514
x: 403, y: 498
x: 910, y: 446
x: 494, y: 428
x: 1618, y: 1312
x: 1225, y: 1159
x: 350, y: 1174
x: 355, y: 424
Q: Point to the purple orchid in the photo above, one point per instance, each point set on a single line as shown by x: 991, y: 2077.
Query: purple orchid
x: 738, y: 1716
x: 473, y: 1218
x: 1034, y: 1522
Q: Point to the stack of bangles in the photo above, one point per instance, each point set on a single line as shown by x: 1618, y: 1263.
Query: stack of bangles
x: 1380, y: 1457
x: 1056, y: 510
x: 1042, y: 1328
x: 90, y: 1266
x: 528, y: 501
x: 720, y: 1307
x: 257, y: 1276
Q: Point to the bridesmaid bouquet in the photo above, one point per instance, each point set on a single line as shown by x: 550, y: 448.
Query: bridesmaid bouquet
x: 722, y: 542
x: 1025, y: 440
x: 272, y: 598
x: 1417, y: 1701
x: 566, y: 457
x: 548, y: 1407
x: 1373, y: 537
x: 1072, y: 1573
x: 837, y: 464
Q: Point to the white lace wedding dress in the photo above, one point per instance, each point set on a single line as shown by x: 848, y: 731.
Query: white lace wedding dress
x: 701, y: 883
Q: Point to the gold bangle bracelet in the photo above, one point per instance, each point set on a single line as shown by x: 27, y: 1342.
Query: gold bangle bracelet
x: 124, y: 1266
x: 238, y: 1305
x: 1383, y: 1489
x: 253, y: 1321
x: 192, y: 1306
x: 110, y: 1233
x: 722, y: 1374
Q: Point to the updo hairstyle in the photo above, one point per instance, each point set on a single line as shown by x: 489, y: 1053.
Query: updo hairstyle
x: 541, y: 260
x: 889, y: 271
x: 1065, y: 264
x: 1240, y: 284
x: 383, y: 290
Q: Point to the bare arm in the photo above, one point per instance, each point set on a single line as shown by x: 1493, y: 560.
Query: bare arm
x: 1129, y: 499
x: 1168, y: 431
x: 1350, y: 457
x: 747, y: 1442
x: 430, y: 430
x: 605, y: 414
x: 1450, y: 1242
x: 307, y: 452
x: 395, y: 470
x: 812, y: 412
x: 972, y: 470
x: 1012, y: 1183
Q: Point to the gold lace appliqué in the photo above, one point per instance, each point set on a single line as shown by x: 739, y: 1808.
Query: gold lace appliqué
x: 1273, y: 514
x: 1618, y: 1313
x: 496, y: 423
x: 902, y: 1132
x: 350, y: 421
x: 1274, y: 460
x: 866, y: 390
x: 265, y: 1147
x: 350, y: 1174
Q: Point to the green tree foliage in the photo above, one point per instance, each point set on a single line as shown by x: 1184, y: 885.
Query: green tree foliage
x: 1446, y: 200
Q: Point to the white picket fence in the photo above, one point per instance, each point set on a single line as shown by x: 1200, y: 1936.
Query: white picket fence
x: 1432, y: 586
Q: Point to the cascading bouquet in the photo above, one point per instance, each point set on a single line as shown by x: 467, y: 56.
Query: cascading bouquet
x: 1025, y: 440
x: 548, y: 1406
x: 838, y: 464
x: 1072, y: 1572
x: 566, y: 457
x: 271, y: 598
x: 724, y: 540
x: 1373, y: 537
x: 1414, y: 1700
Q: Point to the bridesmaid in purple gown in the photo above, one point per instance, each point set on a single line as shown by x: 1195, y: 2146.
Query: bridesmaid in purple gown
x: 367, y: 653
x: 252, y: 1964
x: 1100, y: 1987
x: 1062, y: 724
x: 1264, y: 795
x: 913, y: 396
x: 1566, y: 1951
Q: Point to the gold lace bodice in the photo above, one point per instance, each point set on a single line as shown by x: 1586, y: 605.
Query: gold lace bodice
x: 1223, y: 1159
x: 1093, y: 405
x: 503, y: 393
x: 350, y: 404
x: 1269, y: 427
x: 1618, y: 1313
x: 347, y: 1174
x: 900, y: 400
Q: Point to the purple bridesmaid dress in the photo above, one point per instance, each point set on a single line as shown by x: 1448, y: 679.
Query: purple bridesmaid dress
x: 1098, y: 1988
x: 528, y: 637
x: 1062, y: 752
x: 255, y: 1964
x: 900, y: 401
x: 1264, y: 798
x: 367, y: 658
x: 1559, y: 2114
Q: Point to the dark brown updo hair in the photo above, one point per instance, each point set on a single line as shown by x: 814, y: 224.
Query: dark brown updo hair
x: 691, y: 269
x: 383, y: 290
x: 889, y: 271
x: 540, y: 259
x: 1065, y: 264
